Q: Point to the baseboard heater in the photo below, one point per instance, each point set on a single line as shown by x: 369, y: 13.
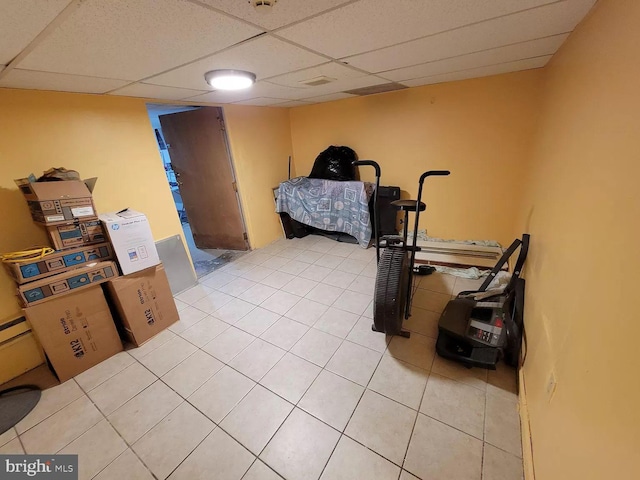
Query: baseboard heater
x: 458, y: 254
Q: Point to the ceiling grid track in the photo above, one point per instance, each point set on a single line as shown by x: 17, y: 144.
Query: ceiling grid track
x: 126, y: 48
x: 55, y: 23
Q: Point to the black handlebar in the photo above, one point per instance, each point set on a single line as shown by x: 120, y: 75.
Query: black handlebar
x: 432, y: 173
x: 370, y: 163
x: 376, y: 216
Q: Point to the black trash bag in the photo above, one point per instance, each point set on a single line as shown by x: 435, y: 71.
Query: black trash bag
x: 335, y: 163
x: 58, y: 175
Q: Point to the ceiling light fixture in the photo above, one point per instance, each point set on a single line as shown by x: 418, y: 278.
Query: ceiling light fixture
x: 230, y: 79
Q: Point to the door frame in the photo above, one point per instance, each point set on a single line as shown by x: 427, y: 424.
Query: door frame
x: 223, y: 124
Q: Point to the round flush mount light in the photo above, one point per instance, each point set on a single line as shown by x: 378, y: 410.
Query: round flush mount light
x: 230, y: 79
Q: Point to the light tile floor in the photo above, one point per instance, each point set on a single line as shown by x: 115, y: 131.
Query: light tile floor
x: 273, y: 372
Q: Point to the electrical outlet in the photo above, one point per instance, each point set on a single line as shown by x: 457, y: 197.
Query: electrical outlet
x: 552, y: 384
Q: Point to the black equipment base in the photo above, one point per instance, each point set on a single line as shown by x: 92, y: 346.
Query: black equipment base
x: 454, y: 348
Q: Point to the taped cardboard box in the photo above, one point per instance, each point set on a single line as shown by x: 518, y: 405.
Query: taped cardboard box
x: 76, y: 331
x: 42, y: 290
x: 58, y: 262
x: 143, y: 304
x: 132, y: 241
x: 52, y: 203
x: 76, y: 234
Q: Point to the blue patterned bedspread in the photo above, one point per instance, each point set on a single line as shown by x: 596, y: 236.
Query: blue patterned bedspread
x: 328, y: 205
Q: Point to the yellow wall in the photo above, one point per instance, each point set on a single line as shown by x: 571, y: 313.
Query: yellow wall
x: 105, y: 137
x: 479, y: 129
x: 111, y: 138
x: 582, y: 209
x: 260, y: 141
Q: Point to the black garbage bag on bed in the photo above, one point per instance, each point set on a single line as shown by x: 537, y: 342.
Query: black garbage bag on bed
x: 335, y: 163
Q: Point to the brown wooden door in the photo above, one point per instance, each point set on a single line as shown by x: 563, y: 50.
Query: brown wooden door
x: 196, y: 142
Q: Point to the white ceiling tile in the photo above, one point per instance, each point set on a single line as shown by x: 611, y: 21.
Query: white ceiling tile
x: 283, y: 13
x: 541, y: 22
x: 329, y: 69
x: 265, y: 56
x: 481, y: 72
x: 518, y: 51
x: 144, y: 90
x: 329, y: 98
x: 58, y: 82
x: 346, y: 79
x: 259, y: 89
x: 22, y: 20
x: 293, y: 103
x: 133, y: 40
x: 260, y: 102
x: 222, y: 97
x: 371, y: 24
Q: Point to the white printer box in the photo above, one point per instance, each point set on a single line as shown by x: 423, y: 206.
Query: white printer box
x: 132, y: 241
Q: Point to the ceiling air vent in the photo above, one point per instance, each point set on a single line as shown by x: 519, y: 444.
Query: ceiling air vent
x: 385, y: 87
x: 321, y: 80
x: 263, y: 6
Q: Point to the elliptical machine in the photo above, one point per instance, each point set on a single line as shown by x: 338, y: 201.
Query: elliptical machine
x: 394, y: 278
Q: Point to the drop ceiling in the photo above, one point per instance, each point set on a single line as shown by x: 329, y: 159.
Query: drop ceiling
x: 161, y: 49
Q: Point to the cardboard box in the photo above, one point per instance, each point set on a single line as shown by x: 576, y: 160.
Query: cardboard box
x: 52, y: 203
x: 42, y: 290
x: 143, y: 303
x: 76, y: 331
x: 132, y: 241
x: 76, y: 234
x: 58, y: 262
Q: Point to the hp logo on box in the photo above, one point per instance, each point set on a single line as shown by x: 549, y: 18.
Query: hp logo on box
x: 115, y: 226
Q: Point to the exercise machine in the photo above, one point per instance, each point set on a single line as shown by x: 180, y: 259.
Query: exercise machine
x: 478, y: 328
x: 394, y: 278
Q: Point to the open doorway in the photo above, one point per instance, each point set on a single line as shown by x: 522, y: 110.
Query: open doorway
x: 197, y: 162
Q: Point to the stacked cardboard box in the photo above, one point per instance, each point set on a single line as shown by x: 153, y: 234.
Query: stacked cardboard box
x: 64, y: 302
x: 141, y: 299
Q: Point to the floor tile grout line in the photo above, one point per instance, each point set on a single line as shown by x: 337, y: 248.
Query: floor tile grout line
x: 108, y: 378
x: 344, y: 289
x: 484, y: 435
x: 361, y: 315
x: 415, y: 421
x: 196, y: 447
x: 265, y: 387
x: 52, y: 414
x: 135, y: 359
x: 356, y: 407
x: 302, y: 410
x: 250, y: 467
x: 504, y: 451
x: 20, y: 442
x: 333, y: 450
x: 364, y: 391
x: 321, y: 367
x: 184, y: 400
x: 129, y: 446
